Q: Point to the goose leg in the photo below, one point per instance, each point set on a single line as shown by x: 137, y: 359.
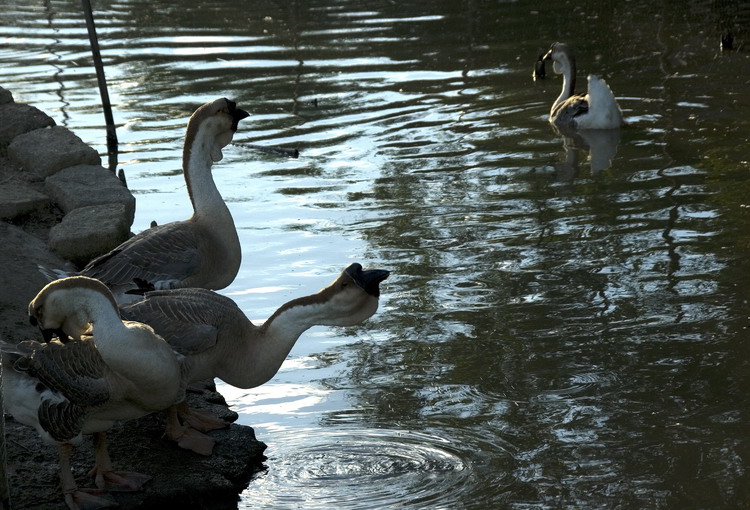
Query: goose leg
x: 199, y: 420
x: 75, y: 498
x: 186, y: 436
x: 108, y: 478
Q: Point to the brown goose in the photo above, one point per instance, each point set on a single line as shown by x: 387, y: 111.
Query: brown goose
x: 218, y: 340
x: 111, y: 370
x: 597, y: 109
x: 202, y: 251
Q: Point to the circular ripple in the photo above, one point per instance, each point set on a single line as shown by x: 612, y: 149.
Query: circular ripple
x: 347, y: 469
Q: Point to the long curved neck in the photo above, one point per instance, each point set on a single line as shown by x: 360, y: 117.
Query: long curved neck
x: 265, y: 348
x: 106, y: 324
x: 568, y: 66
x: 196, y: 166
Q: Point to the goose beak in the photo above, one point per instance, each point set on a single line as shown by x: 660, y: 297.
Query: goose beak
x: 369, y: 281
x: 49, y: 334
x: 539, y: 70
x: 237, y: 114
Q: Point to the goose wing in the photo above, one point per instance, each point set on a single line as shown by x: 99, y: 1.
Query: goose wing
x: 165, y: 252
x: 565, y: 112
x: 74, y: 369
x: 74, y: 373
x: 189, y: 319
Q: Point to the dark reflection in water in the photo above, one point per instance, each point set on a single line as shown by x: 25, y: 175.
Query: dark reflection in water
x: 566, y: 321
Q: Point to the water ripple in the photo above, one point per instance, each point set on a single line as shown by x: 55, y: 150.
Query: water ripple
x: 323, y: 468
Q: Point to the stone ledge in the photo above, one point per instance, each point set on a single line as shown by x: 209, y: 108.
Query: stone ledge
x: 85, y: 185
x: 180, y: 478
x: 49, y: 150
x: 89, y: 231
x: 5, y: 96
x: 18, y: 119
x: 19, y: 199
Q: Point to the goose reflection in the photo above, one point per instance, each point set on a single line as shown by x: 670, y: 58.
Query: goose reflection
x: 600, y: 144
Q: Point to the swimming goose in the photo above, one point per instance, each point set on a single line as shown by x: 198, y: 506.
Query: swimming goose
x: 218, y: 340
x: 202, y: 251
x: 597, y: 109
x: 110, y: 370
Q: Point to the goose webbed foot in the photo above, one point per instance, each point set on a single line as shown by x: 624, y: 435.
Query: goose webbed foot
x: 106, y: 477
x: 122, y: 481
x: 196, y: 441
x: 199, y: 420
x: 187, y: 437
x: 88, y: 499
x: 75, y: 498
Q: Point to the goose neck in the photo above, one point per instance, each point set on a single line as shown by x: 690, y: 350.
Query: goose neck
x: 569, y: 79
x: 197, y: 164
x: 265, y: 348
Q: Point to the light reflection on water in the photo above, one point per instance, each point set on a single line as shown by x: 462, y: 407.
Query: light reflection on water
x: 564, y: 325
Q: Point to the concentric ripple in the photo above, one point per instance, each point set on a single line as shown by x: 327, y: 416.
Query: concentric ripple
x: 344, y: 468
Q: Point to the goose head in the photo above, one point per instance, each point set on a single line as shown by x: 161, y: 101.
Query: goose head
x: 349, y: 300
x: 62, y: 307
x: 353, y: 297
x: 561, y: 56
x: 214, y: 124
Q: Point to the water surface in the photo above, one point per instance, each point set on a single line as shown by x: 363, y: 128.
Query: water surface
x: 563, y: 327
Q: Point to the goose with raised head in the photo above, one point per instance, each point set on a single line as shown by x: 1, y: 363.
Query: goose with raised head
x: 202, y: 251
x: 110, y: 370
x: 218, y: 340
x: 597, y: 109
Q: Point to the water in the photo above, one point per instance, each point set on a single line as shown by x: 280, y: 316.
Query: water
x: 560, y: 330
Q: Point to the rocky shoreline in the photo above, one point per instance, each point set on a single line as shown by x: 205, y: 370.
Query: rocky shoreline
x: 58, y: 209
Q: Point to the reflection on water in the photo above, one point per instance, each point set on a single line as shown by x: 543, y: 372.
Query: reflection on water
x: 600, y: 144
x: 565, y: 325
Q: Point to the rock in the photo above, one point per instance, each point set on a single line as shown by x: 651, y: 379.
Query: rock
x: 5, y: 96
x: 83, y: 185
x: 18, y: 199
x: 18, y: 119
x: 87, y: 232
x: 180, y: 478
x: 20, y: 279
x: 49, y: 150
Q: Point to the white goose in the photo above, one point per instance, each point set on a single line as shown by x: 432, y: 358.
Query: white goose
x: 218, y: 340
x: 597, y: 109
x: 202, y: 251
x: 111, y: 370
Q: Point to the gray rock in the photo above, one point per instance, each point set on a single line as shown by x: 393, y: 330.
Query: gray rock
x: 5, y: 96
x: 87, y: 232
x: 20, y: 279
x: 16, y: 119
x: 47, y: 151
x: 18, y: 199
x: 84, y: 185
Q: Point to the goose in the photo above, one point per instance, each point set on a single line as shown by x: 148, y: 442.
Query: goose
x: 597, y: 109
x: 202, y: 251
x: 110, y: 370
x: 218, y: 340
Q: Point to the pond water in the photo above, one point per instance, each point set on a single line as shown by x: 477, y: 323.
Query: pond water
x: 564, y: 327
